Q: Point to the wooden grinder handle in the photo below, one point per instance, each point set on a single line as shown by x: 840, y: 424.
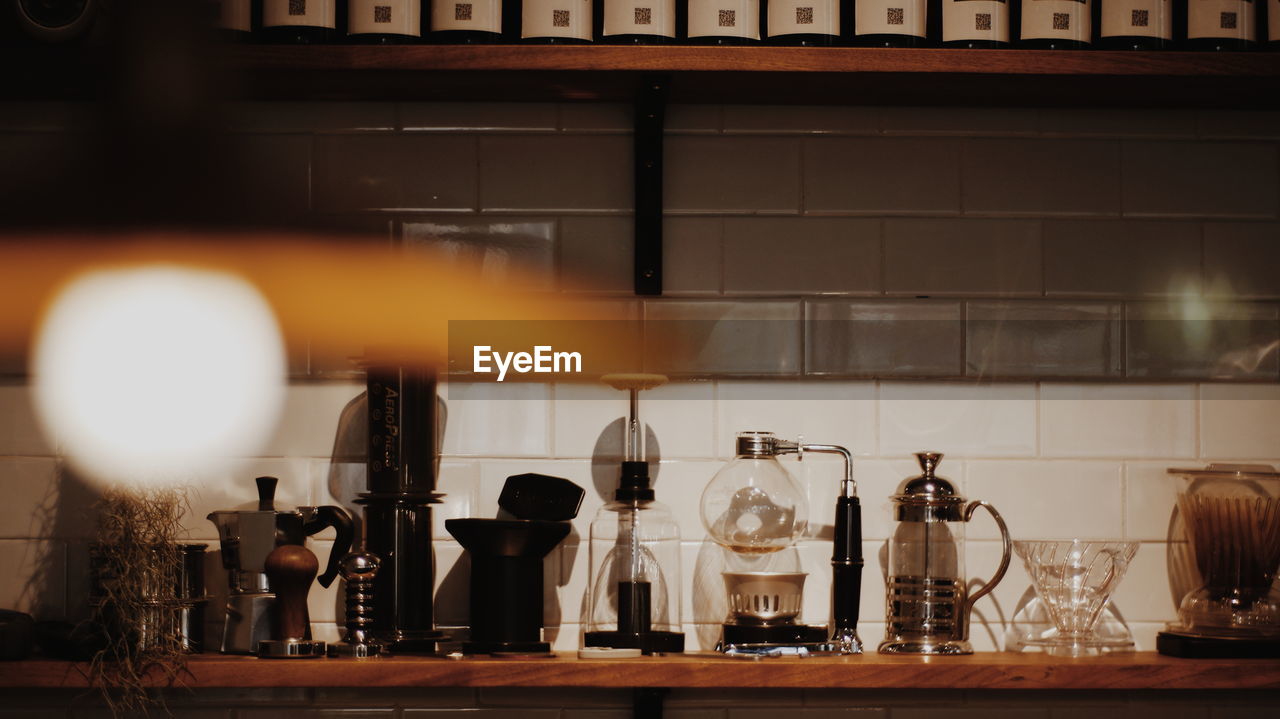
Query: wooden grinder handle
x: 290, y: 569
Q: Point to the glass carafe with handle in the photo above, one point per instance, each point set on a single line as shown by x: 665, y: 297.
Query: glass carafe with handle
x: 928, y: 602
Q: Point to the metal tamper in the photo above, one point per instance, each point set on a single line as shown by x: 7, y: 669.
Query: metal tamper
x: 358, y: 570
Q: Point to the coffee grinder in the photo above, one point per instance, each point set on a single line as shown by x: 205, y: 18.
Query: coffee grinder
x: 1229, y: 515
x: 755, y: 509
x: 403, y: 461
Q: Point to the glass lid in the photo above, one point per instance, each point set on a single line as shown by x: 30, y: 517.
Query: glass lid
x: 1229, y: 471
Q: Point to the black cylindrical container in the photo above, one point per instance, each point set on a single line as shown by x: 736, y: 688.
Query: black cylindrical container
x: 506, y: 581
x: 397, y: 508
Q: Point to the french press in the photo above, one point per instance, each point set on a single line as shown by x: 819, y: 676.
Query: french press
x: 928, y: 603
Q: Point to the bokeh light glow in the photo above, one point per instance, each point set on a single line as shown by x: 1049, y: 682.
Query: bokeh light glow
x: 151, y: 374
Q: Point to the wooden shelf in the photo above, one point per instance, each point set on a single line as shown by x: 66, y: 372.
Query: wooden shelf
x: 763, y: 75
x: 1143, y: 670
x: 766, y: 75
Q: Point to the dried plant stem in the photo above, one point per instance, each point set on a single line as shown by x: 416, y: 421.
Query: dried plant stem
x: 139, y: 562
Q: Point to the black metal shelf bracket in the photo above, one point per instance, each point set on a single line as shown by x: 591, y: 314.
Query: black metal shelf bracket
x: 650, y: 115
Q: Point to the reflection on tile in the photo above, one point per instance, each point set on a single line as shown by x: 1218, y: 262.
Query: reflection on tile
x: 712, y: 337
x: 1047, y: 500
x: 1240, y: 421
x: 881, y: 175
x: 1207, y: 178
x: 1100, y: 420
x: 1200, y: 339
x: 1120, y: 258
x: 371, y: 172
x: 1006, y: 339
x: 962, y: 257
x: 794, y: 256
x: 1011, y: 177
x: 578, y: 172
x: 895, y: 338
x: 505, y: 250
x: 958, y: 419
x: 1240, y: 259
x: 752, y: 174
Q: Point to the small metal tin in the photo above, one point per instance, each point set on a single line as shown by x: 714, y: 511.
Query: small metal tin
x: 291, y: 649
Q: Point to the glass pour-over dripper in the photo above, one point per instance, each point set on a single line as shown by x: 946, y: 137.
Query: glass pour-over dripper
x: 1074, y: 579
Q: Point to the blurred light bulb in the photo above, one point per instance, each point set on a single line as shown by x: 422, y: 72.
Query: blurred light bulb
x: 151, y: 374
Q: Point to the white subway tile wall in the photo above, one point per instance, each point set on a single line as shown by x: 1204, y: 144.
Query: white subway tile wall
x: 970, y: 208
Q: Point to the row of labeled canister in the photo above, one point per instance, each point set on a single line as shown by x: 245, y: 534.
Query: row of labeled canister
x: 1047, y: 24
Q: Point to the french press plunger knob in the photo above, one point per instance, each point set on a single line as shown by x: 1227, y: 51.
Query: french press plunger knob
x: 358, y: 570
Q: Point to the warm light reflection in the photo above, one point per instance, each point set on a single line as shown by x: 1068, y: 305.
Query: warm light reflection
x: 150, y: 373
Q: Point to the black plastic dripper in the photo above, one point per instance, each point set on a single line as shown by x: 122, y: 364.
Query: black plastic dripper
x: 506, y: 581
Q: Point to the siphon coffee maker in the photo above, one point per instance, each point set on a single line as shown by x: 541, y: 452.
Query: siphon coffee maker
x: 1230, y: 516
x: 928, y: 602
x: 634, y: 597
x: 755, y: 510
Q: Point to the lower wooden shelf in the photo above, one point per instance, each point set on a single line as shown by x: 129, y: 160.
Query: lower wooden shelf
x: 1142, y: 670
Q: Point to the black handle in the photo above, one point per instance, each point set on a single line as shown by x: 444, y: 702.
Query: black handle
x: 336, y: 517
x: 266, y: 493
x: 846, y: 564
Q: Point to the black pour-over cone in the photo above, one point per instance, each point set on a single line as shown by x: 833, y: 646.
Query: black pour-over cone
x: 506, y: 581
x: 533, y: 538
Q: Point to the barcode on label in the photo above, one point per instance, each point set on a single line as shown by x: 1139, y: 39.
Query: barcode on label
x: 297, y: 7
x: 728, y: 18
x: 462, y: 11
x: 644, y: 16
x: 382, y: 13
x: 1228, y: 21
x: 559, y: 18
x: 982, y: 21
x: 804, y: 16
x: 1140, y: 18
x: 1061, y: 21
x: 894, y: 16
